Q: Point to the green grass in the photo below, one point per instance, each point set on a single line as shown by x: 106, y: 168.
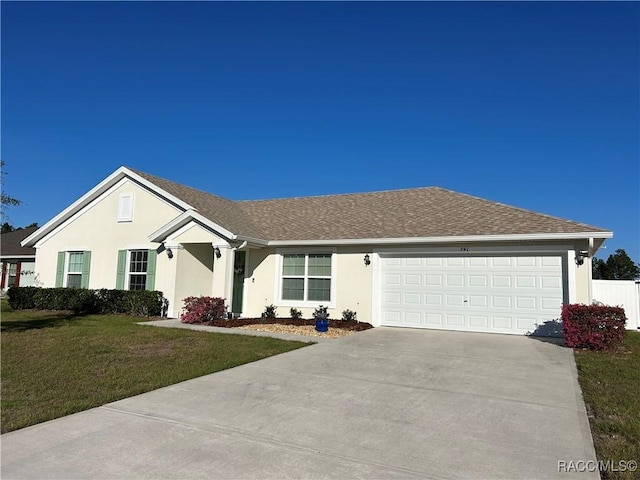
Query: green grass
x: 610, y: 384
x: 55, y: 364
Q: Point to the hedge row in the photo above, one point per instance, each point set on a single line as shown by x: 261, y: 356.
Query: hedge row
x: 81, y: 300
x: 593, y: 326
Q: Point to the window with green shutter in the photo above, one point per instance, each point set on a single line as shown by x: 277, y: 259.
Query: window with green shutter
x: 73, y: 269
x: 136, y: 270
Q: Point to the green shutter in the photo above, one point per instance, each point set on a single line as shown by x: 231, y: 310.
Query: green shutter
x: 60, y: 269
x: 86, y: 266
x: 151, y: 270
x: 121, y: 270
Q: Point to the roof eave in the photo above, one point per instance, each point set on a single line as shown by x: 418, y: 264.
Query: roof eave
x: 31, y: 256
x: 446, y: 239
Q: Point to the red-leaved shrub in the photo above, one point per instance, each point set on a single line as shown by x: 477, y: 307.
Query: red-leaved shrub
x: 203, y: 309
x: 593, y: 326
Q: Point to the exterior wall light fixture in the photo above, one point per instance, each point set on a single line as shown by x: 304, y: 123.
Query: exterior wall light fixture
x: 217, y: 252
x: 581, y: 255
x: 367, y: 260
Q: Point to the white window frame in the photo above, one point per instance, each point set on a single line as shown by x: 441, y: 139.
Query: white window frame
x: 15, y: 273
x: 125, y: 214
x: 280, y: 253
x: 67, y: 258
x: 128, y: 272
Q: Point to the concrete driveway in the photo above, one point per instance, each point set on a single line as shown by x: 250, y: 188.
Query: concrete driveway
x: 386, y: 403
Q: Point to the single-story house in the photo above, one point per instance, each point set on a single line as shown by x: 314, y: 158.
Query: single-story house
x: 419, y: 257
x: 18, y: 262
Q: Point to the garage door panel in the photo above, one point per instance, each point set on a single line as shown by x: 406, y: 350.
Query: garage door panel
x: 478, y: 301
x: 502, y: 323
x: 454, y: 320
x: 412, y: 279
x: 501, y: 262
x: 550, y: 282
x: 501, y: 281
x: 500, y: 301
x: 527, y: 281
x: 551, y: 262
x: 478, y: 280
x: 525, y: 261
x: 433, y: 299
x: 392, y: 279
x: 478, y: 321
x: 455, y: 262
x: 455, y: 300
x: 413, y: 299
x: 486, y: 294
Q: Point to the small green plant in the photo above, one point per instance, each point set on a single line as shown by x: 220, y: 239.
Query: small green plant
x: 349, y: 316
x: 270, y: 311
x: 320, y: 313
x: 295, y: 313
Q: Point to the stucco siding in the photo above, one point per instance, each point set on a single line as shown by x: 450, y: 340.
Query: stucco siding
x: 95, y: 228
x: 259, y: 282
x: 194, y: 274
x: 582, y: 281
x: 353, y: 284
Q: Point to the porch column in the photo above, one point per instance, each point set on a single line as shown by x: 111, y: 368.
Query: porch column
x: 222, y: 272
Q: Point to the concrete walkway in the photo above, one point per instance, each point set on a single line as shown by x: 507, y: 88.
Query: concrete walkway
x: 385, y: 403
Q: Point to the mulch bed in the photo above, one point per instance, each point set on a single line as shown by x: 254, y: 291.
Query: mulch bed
x: 241, y: 322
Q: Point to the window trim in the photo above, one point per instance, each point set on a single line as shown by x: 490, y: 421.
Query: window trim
x: 128, y: 273
x: 280, y: 253
x: 67, y: 260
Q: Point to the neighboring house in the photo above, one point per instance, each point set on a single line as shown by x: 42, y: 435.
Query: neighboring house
x: 18, y: 262
x: 421, y: 257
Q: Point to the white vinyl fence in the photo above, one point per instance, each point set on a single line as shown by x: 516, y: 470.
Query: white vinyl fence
x: 622, y: 293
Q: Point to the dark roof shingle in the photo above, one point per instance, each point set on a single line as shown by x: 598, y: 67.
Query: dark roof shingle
x: 10, y: 243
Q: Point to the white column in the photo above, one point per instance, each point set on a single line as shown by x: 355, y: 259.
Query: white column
x: 222, y: 272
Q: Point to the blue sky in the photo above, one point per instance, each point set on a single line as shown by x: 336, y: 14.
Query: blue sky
x: 533, y: 104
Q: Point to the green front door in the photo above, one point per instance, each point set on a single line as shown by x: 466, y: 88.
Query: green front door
x: 238, y: 282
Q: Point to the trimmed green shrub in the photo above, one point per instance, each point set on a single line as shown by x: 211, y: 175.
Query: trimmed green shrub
x: 81, y: 300
x: 593, y: 326
x: 21, y: 298
x: 295, y: 313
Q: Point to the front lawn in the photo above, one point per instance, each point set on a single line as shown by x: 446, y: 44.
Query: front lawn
x: 610, y: 384
x: 55, y: 364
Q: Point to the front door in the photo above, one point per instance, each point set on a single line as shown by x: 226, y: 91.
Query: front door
x: 238, y: 282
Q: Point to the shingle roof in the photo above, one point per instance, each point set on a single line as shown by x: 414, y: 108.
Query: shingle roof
x: 416, y: 212
x: 10, y: 243
x: 222, y: 211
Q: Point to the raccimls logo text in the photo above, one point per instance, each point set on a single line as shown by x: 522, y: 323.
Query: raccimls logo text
x: 597, y: 466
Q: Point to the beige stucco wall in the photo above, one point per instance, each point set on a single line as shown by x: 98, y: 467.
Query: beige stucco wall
x: 96, y: 228
x: 353, y: 284
x: 193, y: 274
x: 583, y: 282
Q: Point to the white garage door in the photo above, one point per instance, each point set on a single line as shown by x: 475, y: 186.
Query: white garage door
x: 482, y: 294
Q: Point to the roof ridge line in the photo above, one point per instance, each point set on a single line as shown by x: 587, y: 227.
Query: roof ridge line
x: 391, y: 190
